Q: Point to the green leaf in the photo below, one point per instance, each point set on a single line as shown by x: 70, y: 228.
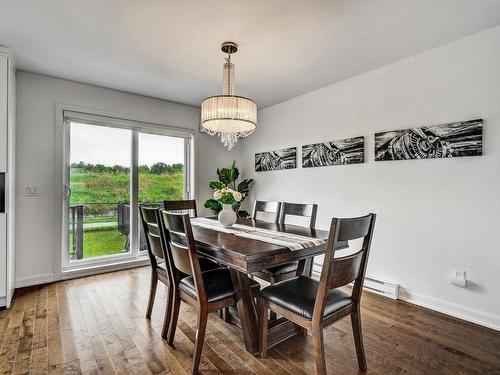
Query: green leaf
x: 214, y: 205
x: 234, y: 172
x: 227, y: 199
x: 228, y: 175
x: 216, y: 185
x: 224, y: 175
x: 244, y: 186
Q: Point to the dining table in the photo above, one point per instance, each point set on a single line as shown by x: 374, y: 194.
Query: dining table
x: 243, y: 256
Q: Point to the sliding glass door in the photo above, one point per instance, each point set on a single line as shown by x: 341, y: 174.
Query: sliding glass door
x: 99, y: 186
x: 109, y: 170
x: 161, y: 171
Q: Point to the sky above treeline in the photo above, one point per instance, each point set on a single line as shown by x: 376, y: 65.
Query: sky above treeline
x: 95, y: 144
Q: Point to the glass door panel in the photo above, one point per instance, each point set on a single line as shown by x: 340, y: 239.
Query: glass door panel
x: 99, y: 182
x: 161, y: 171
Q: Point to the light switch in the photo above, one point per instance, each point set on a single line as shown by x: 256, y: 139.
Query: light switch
x: 459, y: 278
x: 30, y: 191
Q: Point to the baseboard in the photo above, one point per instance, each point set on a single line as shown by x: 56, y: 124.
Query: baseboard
x: 97, y: 269
x: 22, y: 282
x: 3, y: 303
x: 456, y: 310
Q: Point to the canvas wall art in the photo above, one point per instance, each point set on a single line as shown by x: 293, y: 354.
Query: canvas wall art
x: 455, y: 139
x: 345, y: 151
x: 276, y: 160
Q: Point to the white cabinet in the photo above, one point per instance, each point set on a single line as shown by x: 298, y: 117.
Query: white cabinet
x: 7, y: 181
x: 4, y: 87
x: 3, y: 259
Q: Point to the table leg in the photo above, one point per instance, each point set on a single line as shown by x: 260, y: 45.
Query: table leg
x: 305, y: 267
x: 301, y: 267
x: 247, y: 310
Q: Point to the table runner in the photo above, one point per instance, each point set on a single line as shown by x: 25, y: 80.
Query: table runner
x: 292, y: 241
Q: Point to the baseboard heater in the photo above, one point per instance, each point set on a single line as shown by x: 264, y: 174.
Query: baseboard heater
x: 382, y: 287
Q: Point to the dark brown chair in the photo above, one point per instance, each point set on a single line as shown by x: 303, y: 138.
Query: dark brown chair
x: 155, y: 248
x: 289, y: 270
x: 155, y: 245
x: 266, y: 211
x: 189, y: 206
x: 207, y: 291
x: 315, y: 305
x: 184, y: 206
x: 307, y: 211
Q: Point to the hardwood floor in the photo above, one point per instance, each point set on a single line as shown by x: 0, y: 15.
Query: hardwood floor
x: 96, y: 325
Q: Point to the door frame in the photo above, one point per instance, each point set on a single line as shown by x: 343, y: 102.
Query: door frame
x: 124, y: 121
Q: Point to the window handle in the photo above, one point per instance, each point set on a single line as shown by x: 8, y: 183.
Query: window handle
x: 67, y: 192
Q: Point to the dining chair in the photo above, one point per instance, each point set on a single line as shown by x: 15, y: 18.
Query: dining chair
x: 186, y: 205
x: 266, y: 211
x: 189, y: 206
x: 206, y: 292
x: 314, y: 305
x: 156, y: 253
x: 298, y: 211
x: 155, y: 246
x: 181, y: 206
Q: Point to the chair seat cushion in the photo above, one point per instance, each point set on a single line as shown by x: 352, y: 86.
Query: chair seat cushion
x: 299, y: 296
x: 218, y: 285
x: 281, y: 270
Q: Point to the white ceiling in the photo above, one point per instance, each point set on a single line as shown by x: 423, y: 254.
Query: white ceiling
x: 170, y: 49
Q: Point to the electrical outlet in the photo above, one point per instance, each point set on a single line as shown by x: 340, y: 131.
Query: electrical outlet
x: 459, y: 278
x: 30, y: 191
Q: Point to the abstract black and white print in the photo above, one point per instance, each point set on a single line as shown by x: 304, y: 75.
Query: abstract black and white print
x: 456, y: 139
x: 345, y: 151
x: 275, y: 160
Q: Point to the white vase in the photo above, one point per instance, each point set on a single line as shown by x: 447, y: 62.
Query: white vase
x: 227, y: 217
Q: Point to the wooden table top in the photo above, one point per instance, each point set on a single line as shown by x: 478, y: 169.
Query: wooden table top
x: 249, y: 255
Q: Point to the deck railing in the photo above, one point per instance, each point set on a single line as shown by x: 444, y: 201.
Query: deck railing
x: 95, y: 215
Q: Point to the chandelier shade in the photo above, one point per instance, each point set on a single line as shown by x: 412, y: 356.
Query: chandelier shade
x: 228, y: 116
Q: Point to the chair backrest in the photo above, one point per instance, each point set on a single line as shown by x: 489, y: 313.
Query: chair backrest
x: 266, y: 211
x: 181, y: 248
x: 308, y: 211
x: 149, y: 218
x: 337, y: 272
x: 184, y: 206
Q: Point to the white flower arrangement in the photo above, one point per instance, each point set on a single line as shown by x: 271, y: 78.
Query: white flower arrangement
x: 227, y: 195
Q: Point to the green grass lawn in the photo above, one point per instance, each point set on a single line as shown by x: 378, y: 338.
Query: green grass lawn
x: 109, y: 188
x: 105, y: 190
x: 102, y: 242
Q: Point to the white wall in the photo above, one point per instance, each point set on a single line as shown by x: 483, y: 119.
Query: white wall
x: 433, y: 215
x: 37, y: 217
x: 212, y: 155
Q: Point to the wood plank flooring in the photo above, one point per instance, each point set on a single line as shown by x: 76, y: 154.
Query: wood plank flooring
x: 96, y: 325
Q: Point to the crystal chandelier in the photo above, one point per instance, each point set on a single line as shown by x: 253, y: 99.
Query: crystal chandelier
x: 228, y: 116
